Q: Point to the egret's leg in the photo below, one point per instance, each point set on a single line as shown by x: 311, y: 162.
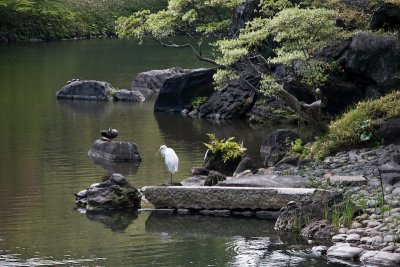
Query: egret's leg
x: 171, y: 178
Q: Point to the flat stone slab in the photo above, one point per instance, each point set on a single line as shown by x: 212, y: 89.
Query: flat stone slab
x: 266, y: 180
x: 114, y: 151
x: 347, y: 180
x: 216, y: 197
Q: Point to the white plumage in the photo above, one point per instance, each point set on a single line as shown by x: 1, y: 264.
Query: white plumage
x: 170, y: 158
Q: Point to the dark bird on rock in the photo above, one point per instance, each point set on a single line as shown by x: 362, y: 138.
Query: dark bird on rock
x: 109, y: 134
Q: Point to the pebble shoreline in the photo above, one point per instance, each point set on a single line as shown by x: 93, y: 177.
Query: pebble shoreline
x: 373, y: 237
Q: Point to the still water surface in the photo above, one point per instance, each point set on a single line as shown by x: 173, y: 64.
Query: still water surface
x: 43, y: 160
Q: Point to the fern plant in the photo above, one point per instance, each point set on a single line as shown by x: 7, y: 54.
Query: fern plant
x: 227, y: 149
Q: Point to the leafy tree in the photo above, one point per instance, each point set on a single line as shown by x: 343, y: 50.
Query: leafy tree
x: 301, y: 31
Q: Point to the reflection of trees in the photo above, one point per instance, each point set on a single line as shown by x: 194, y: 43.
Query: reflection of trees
x: 117, y: 221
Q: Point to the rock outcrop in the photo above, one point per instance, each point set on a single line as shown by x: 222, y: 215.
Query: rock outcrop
x: 86, y: 90
x: 113, y: 194
x: 387, y: 17
x: 114, y: 151
x: 390, y: 131
x: 178, y: 91
x: 276, y: 145
x: 150, y: 82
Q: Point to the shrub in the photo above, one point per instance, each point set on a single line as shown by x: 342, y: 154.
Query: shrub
x: 357, y: 127
x: 227, y: 149
x: 198, y: 101
x: 297, y: 149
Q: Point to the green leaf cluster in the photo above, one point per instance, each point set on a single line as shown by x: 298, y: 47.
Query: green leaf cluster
x: 297, y: 149
x: 198, y: 101
x: 227, y: 149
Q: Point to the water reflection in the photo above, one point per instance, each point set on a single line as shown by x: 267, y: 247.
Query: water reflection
x: 86, y: 109
x: 117, y: 221
x: 124, y: 168
x: 199, y: 225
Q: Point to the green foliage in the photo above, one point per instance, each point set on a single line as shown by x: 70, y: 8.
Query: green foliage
x: 363, y: 120
x: 227, y: 149
x: 207, y: 17
x: 55, y: 19
x: 198, y: 101
x: 222, y: 77
x: 297, y: 149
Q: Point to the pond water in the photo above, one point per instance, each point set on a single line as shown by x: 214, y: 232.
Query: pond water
x: 43, y: 160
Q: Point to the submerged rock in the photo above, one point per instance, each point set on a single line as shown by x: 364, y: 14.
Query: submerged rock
x: 86, y: 90
x: 112, y: 194
x: 114, y: 151
x: 129, y: 96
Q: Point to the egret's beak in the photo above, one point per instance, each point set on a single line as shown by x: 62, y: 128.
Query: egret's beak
x: 158, y: 151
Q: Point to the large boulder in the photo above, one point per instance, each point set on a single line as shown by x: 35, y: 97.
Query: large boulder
x: 113, y: 194
x: 178, y: 92
x: 86, y: 90
x: 276, y: 145
x: 387, y: 17
x: 390, y: 131
x: 150, y: 82
x: 232, y: 102
x: 236, y: 98
x: 375, y: 57
x: 114, y: 151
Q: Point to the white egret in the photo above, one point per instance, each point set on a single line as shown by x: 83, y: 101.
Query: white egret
x: 170, y: 158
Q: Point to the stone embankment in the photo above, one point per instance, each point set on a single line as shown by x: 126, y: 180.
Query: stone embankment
x: 373, y: 237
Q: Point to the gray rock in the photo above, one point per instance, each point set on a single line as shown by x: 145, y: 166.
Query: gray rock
x: 126, y: 95
x: 178, y: 92
x: 339, y: 238
x: 353, y: 238
x: 321, y: 230
x: 387, y: 17
x: 194, y: 181
x: 344, y: 251
x: 86, y: 90
x: 276, y: 145
x: 374, y: 56
x: 114, y: 151
x: 229, y: 197
x: 319, y: 250
x: 390, y: 131
x: 353, y: 180
x: 380, y: 258
x: 245, y: 164
x: 265, y: 180
x: 234, y: 100
x: 150, y: 82
x: 112, y: 194
x: 214, y: 178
